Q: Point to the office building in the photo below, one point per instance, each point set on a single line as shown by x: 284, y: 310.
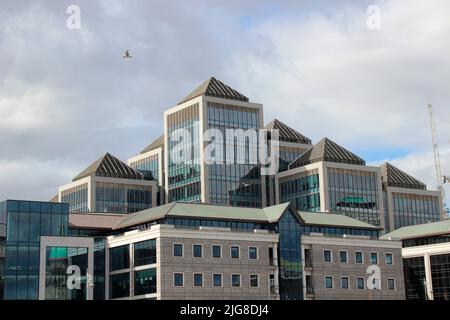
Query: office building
x: 109, y: 185
x: 407, y: 200
x: 150, y: 162
x: 329, y: 178
x: 236, y: 179
x: 426, y: 259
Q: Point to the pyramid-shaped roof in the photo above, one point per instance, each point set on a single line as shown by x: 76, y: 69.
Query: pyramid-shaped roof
x: 327, y: 150
x: 110, y: 166
x: 394, y: 177
x: 158, y: 142
x: 287, y: 133
x: 215, y: 88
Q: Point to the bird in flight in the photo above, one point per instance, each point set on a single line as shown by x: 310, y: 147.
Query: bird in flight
x: 127, y: 55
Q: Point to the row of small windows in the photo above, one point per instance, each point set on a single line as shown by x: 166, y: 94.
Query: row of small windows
x: 359, y: 257
x: 216, y: 251
x: 360, y: 283
x: 217, y: 280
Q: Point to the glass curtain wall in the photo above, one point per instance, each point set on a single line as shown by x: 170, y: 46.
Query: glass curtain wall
x: 411, y: 209
x: 414, y: 274
x: 148, y: 164
x: 237, y: 181
x: 302, y: 190
x: 355, y: 194
x: 26, y: 221
x: 77, y: 198
x: 290, y: 259
x: 57, y: 279
x: 184, y: 176
x: 122, y: 198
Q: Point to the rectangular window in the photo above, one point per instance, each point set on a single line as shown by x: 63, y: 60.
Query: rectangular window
x: 145, y: 252
x: 344, y: 283
x: 234, y: 252
x: 198, y: 280
x: 145, y: 282
x: 358, y: 257
x: 177, y: 250
x: 389, y: 258
x: 178, y: 280
x: 254, y: 281
x: 217, y: 280
x: 360, y: 283
x: 253, y: 253
x: 391, y: 284
x: 329, y: 282
x: 119, y: 286
x: 343, y: 256
x: 373, y: 258
x: 327, y: 256
x: 119, y: 258
x: 235, y: 280
x: 216, y: 251
x: 197, y: 250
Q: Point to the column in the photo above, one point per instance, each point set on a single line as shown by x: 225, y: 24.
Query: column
x: 428, y: 277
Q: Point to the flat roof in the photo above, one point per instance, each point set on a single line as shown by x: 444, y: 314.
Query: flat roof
x: 420, y: 230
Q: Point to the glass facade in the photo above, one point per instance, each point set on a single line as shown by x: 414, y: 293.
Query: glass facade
x: 145, y: 282
x: 336, y: 231
x: 287, y: 155
x: 56, y: 277
x: 25, y: 222
x: 426, y: 240
x: 145, y: 252
x: 414, y: 274
x: 354, y: 194
x: 302, y: 190
x: 411, y: 209
x: 290, y: 265
x: 440, y: 273
x: 237, y: 181
x: 119, y: 258
x: 77, y: 198
x: 122, y: 198
x: 119, y: 285
x: 147, y: 165
x: 184, y: 176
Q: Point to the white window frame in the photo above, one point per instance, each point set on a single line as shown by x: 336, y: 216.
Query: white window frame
x: 250, y: 280
x: 378, y: 257
x: 173, y: 280
x: 385, y: 258
x: 239, y: 249
x: 362, y: 257
x: 395, y: 284
x: 221, y: 251
x: 201, y: 246
x: 348, y: 283
x: 325, y: 282
x: 346, y: 256
x: 182, y: 250
x: 221, y: 280
x: 193, y: 279
x: 364, y: 283
x: 240, y: 280
x: 331, y: 255
x: 257, y: 253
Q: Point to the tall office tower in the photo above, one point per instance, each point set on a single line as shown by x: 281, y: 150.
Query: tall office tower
x: 150, y: 162
x: 109, y: 185
x: 190, y: 175
x: 407, y: 200
x: 292, y: 144
x: 329, y: 178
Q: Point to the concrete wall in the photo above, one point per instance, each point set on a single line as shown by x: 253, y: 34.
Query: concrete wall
x: 351, y: 269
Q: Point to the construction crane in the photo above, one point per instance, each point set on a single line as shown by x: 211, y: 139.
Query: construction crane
x: 440, y: 178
